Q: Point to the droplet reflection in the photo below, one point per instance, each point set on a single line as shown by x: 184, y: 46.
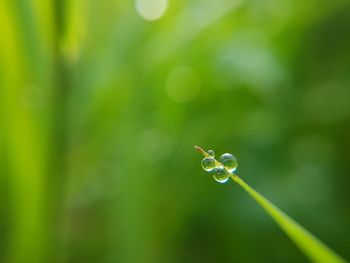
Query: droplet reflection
x: 211, y: 153
x: 220, y: 170
x: 208, y: 164
x: 229, y: 161
x: 220, y: 174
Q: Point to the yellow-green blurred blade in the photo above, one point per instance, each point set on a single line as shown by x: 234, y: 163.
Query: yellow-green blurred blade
x: 309, y: 245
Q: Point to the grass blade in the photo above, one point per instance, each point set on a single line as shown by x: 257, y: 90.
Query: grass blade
x: 313, y: 248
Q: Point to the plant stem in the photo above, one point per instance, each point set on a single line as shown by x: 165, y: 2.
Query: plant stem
x: 313, y: 248
x: 200, y: 150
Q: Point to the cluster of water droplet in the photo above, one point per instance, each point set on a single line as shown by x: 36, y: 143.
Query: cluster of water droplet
x: 222, y: 170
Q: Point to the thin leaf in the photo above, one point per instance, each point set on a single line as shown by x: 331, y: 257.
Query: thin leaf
x: 313, y: 248
x: 309, y: 244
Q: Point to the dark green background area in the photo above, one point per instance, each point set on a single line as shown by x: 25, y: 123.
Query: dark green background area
x: 100, y: 109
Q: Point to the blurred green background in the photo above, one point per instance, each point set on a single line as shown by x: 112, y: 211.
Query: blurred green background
x: 102, y: 102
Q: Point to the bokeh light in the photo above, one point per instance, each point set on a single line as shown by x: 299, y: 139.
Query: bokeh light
x: 151, y: 9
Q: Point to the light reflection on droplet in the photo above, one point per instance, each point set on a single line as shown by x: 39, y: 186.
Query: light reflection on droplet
x: 229, y: 161
x: 221, y: 170
x: 208, y: 164
x: 211, y: 153
x: 151, y: 9
x: 220, y: 174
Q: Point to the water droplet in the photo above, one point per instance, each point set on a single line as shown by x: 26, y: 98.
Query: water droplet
x: 229, y: 161
x: 220, y: 174
x: 208, y: 163
x: 211, y: 153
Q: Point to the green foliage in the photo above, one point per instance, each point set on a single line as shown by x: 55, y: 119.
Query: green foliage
x: 99, y: 101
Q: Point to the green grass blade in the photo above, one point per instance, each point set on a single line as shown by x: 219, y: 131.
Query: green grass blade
x: 309, y: 245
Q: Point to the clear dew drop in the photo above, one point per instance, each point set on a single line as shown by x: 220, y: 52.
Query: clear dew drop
x: 229, y: 161
x: 220, y: 174
x: 211, y: 153
x: 208, y: 163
